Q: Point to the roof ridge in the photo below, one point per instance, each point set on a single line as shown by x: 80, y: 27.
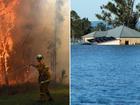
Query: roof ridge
x: 107, y: 33
x: 94, y: 33
x: 121, y: 31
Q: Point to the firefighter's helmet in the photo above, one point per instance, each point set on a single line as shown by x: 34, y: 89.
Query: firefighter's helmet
x: 39, y: 57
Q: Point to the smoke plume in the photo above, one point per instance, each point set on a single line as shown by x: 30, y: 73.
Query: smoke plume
x: 41, y: 27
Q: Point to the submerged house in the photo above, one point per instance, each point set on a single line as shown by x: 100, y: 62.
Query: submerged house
x: 88, y: 37
x: 121, y: 35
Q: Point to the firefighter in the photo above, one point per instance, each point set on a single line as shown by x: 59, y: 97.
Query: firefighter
x: 44, y: 78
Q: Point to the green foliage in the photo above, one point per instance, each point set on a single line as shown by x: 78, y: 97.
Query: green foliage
x: 86, y: 26
x: 100, y: 27
x: 79, y: 26
x: 120, y: 12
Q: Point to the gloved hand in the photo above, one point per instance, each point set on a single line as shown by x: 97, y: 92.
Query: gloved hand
x: 45, y: 81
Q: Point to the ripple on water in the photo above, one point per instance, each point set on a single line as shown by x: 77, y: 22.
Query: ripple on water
x: 105, y: 75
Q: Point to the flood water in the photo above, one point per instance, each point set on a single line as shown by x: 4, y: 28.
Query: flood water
x: 105, y: 75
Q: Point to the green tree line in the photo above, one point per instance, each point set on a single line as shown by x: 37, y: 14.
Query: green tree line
x: 79, y: 26
x: 120, y: 12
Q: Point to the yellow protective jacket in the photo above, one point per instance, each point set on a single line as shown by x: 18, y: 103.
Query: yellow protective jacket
x: 44, y: 74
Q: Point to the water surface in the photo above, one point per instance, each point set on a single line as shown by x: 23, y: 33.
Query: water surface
x: 105, y: 75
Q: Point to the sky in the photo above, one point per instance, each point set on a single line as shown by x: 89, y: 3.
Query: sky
x: 88, y: 8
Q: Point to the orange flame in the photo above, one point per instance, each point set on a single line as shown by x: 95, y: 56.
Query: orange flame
x: 7, y: 23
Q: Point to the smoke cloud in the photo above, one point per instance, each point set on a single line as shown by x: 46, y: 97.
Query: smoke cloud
x: 41, y: 27
x: 62, y: 30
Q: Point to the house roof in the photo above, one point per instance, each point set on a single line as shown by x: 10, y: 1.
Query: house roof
x: 89, y: 35
x: 100, y: 34
x: 118, y: 32
x: 123, y: 32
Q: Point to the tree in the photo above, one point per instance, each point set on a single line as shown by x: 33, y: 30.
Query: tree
x: 79, y: 26
x: 100, y: 27
x: 86, y: 26
x: 120, y: 12
x: 75, y: 25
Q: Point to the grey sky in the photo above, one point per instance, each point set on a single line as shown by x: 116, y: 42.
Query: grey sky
x: 88, y: 8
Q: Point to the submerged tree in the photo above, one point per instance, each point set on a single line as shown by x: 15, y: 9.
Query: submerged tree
x: 120, y: 12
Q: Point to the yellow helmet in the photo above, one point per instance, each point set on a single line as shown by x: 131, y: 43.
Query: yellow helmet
x: 39, y: 57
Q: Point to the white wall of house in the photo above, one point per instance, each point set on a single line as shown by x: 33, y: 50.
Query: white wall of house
x: 130, y: 41
x: 85, y: 39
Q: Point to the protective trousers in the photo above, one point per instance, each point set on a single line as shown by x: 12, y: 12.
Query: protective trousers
x: 44, y: 92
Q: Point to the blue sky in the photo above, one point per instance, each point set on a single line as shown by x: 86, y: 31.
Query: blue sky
x: 88, y: 8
